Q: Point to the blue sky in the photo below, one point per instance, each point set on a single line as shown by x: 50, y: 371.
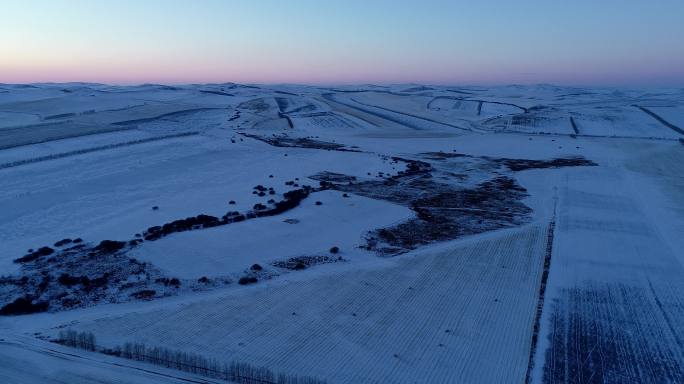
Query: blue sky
x: 605, y: 42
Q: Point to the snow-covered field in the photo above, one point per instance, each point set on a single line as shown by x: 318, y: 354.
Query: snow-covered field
x: 457, y: 313
x: 399, y: 234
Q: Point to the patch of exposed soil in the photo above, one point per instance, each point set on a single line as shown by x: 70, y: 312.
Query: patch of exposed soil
x: 299, y: 142
x: 303, y: 262
x: 481, y: 197
x: 80, y: 275
x: 517, y: 165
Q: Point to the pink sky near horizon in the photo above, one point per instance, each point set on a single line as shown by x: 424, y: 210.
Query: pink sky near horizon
x: 343, y: 42
x: 351, y: 74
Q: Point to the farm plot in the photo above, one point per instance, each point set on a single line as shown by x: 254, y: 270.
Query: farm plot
x: 409, y: 120
x: 673, y: 115
x: 460, y: 312
x: 328, y: 124
x: 11, y: 119
x: 615, y: 311
x: 40, y: 133
x: 539, y: 120
x: 454, y: 105
x: 625, y: 121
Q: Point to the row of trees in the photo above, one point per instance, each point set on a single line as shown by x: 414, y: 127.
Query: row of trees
x: 191, y: 362
x: 186, y: 361
x: 83, y: 340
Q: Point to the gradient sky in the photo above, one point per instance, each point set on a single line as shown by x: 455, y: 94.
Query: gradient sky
x: 580, y: 42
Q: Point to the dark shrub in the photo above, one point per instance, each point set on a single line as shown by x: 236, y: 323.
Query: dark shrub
x: 144, y: 294
x: 22, y: 306
x: 155, y: 208
x: 100, y: 281
x: 256, y: 267
x: 68, y: 280
x: 239, y: 218
x: 203, y: 280
x: 259, y: 206
x: 110, y: 246
x: 345, y: 195
x: 334, y: 249
x: 166, y: 281
x: 43, y: 251
x: 299, y: 266
x: 44, y: 283
x: 62, y: 242
x: 247, y: 280
x: 70, y: 302
x: 77, y: 240
x: 156, y: 228
x: 261, y: 194
x: 319, y: 203
x: 85, y: 280
x: 232, y: 202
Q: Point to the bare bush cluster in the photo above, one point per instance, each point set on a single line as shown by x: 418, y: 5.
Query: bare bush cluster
x: 83, y: 340
x: 234, y: 371
x: 194, y: 363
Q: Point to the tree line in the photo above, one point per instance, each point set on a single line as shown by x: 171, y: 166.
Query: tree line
x: 234, y: 371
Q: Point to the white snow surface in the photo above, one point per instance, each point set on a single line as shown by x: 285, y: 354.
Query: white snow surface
x: 91, y: 160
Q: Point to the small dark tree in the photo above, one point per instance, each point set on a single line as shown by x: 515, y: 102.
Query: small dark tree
x: 256, y: 267
x: 247, y: 280
x: 23, y: 306
x: 299, y: 266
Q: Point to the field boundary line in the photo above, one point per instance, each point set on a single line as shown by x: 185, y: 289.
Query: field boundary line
x: 542, y: 289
